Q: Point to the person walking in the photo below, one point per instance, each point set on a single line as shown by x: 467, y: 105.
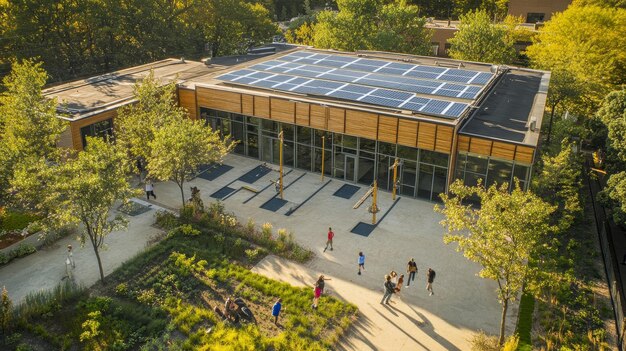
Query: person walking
x: 329, y: 241
x: 431, y: 278
x: 70, y: 256
x: 276, y: 310
x: 318, y: 290
x: 150, y: 189
x: 389, y: 290
x: 361, y: 262
x: 411, y: 269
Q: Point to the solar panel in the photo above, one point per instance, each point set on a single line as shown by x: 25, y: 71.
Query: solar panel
x: 393, y: 68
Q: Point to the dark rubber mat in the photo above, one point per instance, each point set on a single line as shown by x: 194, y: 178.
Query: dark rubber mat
x: 215, y: 171
x: 274, y: 204
x: 254, y: 175
x: 347, y: 191
x: 222, y: 193
x: 363, y: 229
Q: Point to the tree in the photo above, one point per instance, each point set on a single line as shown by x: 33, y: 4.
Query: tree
x: 563, y: 90
x: 178, y: 149
x: 479, y: 40
x: 496, y: 9
x: 601, y: 3
x: 587, y: 46
x: 86, y: 188
x: 613, y: 114
x: 373, y: 25
x: 155, y: 107
x: 29, y: 126
x: 559, y: 183
x: 501, y: 235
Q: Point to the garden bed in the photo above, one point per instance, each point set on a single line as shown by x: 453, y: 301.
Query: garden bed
x: 164, y: 299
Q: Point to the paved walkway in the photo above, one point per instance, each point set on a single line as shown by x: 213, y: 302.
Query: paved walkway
x: 45, y: 269
x: 463, y: 303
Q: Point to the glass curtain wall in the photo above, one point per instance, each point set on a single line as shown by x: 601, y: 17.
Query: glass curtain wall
x: 421, y: 173
x: 471, y: 167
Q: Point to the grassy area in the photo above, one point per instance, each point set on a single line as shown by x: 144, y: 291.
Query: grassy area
x: 14, y: 220
x: 525, y: 322
x: 163, y: 299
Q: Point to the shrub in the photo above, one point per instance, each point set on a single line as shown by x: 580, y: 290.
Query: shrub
x: 121, y: 289
x: 44, y: 302
x: 483, y: 342
x: 4, y: 259
x: 250, y: 227
x: 6, y: 313
x: 166, y: 220
x: 252, y: 254
x: 23, y: 250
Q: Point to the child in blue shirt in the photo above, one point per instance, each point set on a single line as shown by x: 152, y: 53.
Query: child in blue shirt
x: 361, y: 262
x: 276, y: 310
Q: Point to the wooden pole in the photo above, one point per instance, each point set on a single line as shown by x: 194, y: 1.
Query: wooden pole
x: 323, y: 153
x: 374, y: 206
x: 280, y: 137
x: 395, y: 179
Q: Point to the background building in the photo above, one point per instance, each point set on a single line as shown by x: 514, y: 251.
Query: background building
x: 443, y: 119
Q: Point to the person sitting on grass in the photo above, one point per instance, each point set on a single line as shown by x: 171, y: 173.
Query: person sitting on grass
x: 230, y: 310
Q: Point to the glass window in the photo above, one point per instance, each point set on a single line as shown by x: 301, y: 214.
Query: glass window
x: 439, y: 182
x: 304, y: 156
x: 425, y: 181
x: 434, y: 158
x: 534, y: 17
x: 236, y: 117
x: 327, y: 161
x: 521, y: 172
x: 348, y: 141
x: 476, y: 164
x: 102, y: 129
x: 499, y: 172
x: 386, y: 148
x: 287, y: 131
x: 367, y: 145
x: 288, y: 153
x: 408, y: 153
x: 384, y: 174
x: 253, y: 145
x: 222, y: 114
x: 269, y: 127
x: 408, y: 173
x: 366, y: 171
x: 304, y: 135
x: 328, y: 139
x: 238, y: 134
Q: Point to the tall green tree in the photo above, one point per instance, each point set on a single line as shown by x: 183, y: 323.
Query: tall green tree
x: 29, y: 126
x: 559, y: 183
x: 562, y: 93
x: 373, y: 25
x: 179, y: 149
x: 155, y: 107
x: 586, y: 44
x: 501, y: 235
x: 601, y: 3
x: 85, y: 189
x: 478, y: 39
x: 496, y: 9
x: 613, y: 114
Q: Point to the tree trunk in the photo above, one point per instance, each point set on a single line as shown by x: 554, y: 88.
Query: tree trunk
x: 505, y: 306
x: 95, y: 250
x: 182, y: 192
x: 550, y: 125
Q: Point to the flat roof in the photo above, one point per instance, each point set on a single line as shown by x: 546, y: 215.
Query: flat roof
x: 86, y: 97
x: 518, y: 98
x: 500, y: 106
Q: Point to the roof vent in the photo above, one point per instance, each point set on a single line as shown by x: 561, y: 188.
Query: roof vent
x: 533, y: 124
x: 206, y: 61
x: 182, y: 60
x: 494, y: 69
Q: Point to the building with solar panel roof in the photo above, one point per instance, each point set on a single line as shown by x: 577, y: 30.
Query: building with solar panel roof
x: 443, y: 119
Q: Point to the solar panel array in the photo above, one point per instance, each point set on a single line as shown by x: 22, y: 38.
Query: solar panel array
x: 378, y: 82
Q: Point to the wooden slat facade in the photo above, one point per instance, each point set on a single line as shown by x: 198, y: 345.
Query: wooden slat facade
x: 75, y: 126
x: 219, y: 99
x: 187, y: 99
x: 390, y: 129
x: 497, y: 149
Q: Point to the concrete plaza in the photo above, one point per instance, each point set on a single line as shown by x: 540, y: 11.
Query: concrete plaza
x: 463, y: 303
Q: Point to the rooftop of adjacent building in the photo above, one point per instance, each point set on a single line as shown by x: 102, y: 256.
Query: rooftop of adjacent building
x: 505, y: 109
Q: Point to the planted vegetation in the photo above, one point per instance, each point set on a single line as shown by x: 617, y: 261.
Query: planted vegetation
x: 164, y: 298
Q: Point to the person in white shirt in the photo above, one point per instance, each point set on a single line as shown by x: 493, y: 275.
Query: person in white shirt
x: 150, y: 189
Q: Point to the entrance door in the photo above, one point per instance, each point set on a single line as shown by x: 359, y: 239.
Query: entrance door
x: 350, y: 168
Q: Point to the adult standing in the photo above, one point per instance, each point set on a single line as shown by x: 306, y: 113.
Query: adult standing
x: 389, y: 290
x: 329, y: 241
x: 318, y: 290
x: 361, y: 262
x: 70, y: 256
x: 276, y: 310
x: 411, y: 269
x: 150, y: 189
x: 431, y: 278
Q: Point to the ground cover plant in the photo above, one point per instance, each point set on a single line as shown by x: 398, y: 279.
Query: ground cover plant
x: 163, y: 299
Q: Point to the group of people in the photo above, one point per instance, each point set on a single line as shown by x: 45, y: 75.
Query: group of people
x: 393, y: 283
